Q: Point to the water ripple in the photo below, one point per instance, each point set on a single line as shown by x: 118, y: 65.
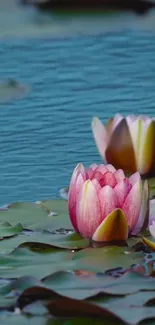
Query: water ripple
x: 44, y: 135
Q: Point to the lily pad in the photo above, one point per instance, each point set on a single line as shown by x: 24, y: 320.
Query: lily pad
x: 18, y: 319
x: 47, y: 215
x: 36, y: 308
x: 6, y: 230
x: 41, y: 239
x: 38, y: 261
x: 45, y: 268
x: 102, y: 259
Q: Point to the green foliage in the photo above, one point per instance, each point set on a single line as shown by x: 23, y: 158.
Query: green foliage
x: 51, y: 276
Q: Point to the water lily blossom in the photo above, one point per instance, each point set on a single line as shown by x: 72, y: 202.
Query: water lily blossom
x: 104, y: 205
x: 127, y: 143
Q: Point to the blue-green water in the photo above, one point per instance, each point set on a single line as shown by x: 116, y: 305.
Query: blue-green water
x: 71, y: 79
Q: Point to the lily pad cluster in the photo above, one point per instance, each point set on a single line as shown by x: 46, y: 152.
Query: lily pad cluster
x: 51, y: 275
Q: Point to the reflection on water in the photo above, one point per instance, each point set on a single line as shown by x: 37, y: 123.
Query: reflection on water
x: 17, y: 20
x: 46, y: 133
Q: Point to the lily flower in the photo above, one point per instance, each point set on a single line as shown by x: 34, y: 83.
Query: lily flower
x: 106, y: 206
x: 127, y: 142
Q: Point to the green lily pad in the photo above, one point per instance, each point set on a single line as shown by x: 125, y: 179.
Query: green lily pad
x: 109, y: 257
x: 130, y: 282
x: 19, y: 319
x: 45, y: 268
x: 137, y: 299
x: 60, y: 305
x: 42, y: 239
x: 25, y: 213
x: 6, y: 230
x: 24, y: 261
x: 36, y: 308
x: 48, y: 215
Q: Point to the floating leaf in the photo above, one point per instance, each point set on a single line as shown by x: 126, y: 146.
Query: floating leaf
x: 19, y: 319
x: 25, y: 213
x: 36, y: 308
x: 71, y: 242
x: 6, y: 230
x: 33, y: 262
x: 73, y: 308
x: 48, y: 215
x: 62, y: 306
x: 48, y: 268
x: 108, y: 257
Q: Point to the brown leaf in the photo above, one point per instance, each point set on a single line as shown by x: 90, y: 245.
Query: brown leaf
x: 36, y: 293
x: 73, y: 307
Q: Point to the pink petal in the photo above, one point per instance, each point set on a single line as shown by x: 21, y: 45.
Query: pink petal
x: 146, y: 119
x: 119, y: 175
x: 111, y: 168
x: 108, y: 179
x: 96, y: 185
x: 78, y: 178
x: 144, y: 212
x: 132, y: 205
x: 131, y: 118
x: 88, y: 210
x: 116, y: 120
x: 108, y: 201
x: 134, y: 178
x: 121, y: 190
x: 100, y: 135
x: 89, y: 173
x: 102, y: 169
x: 93, y: 166
x: 98, y: 176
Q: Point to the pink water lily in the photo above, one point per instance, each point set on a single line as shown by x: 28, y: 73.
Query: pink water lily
x: 105, y: 205
x: 127, y: 143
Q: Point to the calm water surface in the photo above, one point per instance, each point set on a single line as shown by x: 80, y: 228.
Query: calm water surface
x: 71, y: 78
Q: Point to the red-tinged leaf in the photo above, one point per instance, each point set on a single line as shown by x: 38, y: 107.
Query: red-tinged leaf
x: 73, y: 307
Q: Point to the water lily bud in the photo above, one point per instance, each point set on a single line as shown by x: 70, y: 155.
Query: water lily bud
x: 104, y: 205
x: 127, y: 143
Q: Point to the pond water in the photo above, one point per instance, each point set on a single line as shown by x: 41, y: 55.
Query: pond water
x: 74, y: 69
